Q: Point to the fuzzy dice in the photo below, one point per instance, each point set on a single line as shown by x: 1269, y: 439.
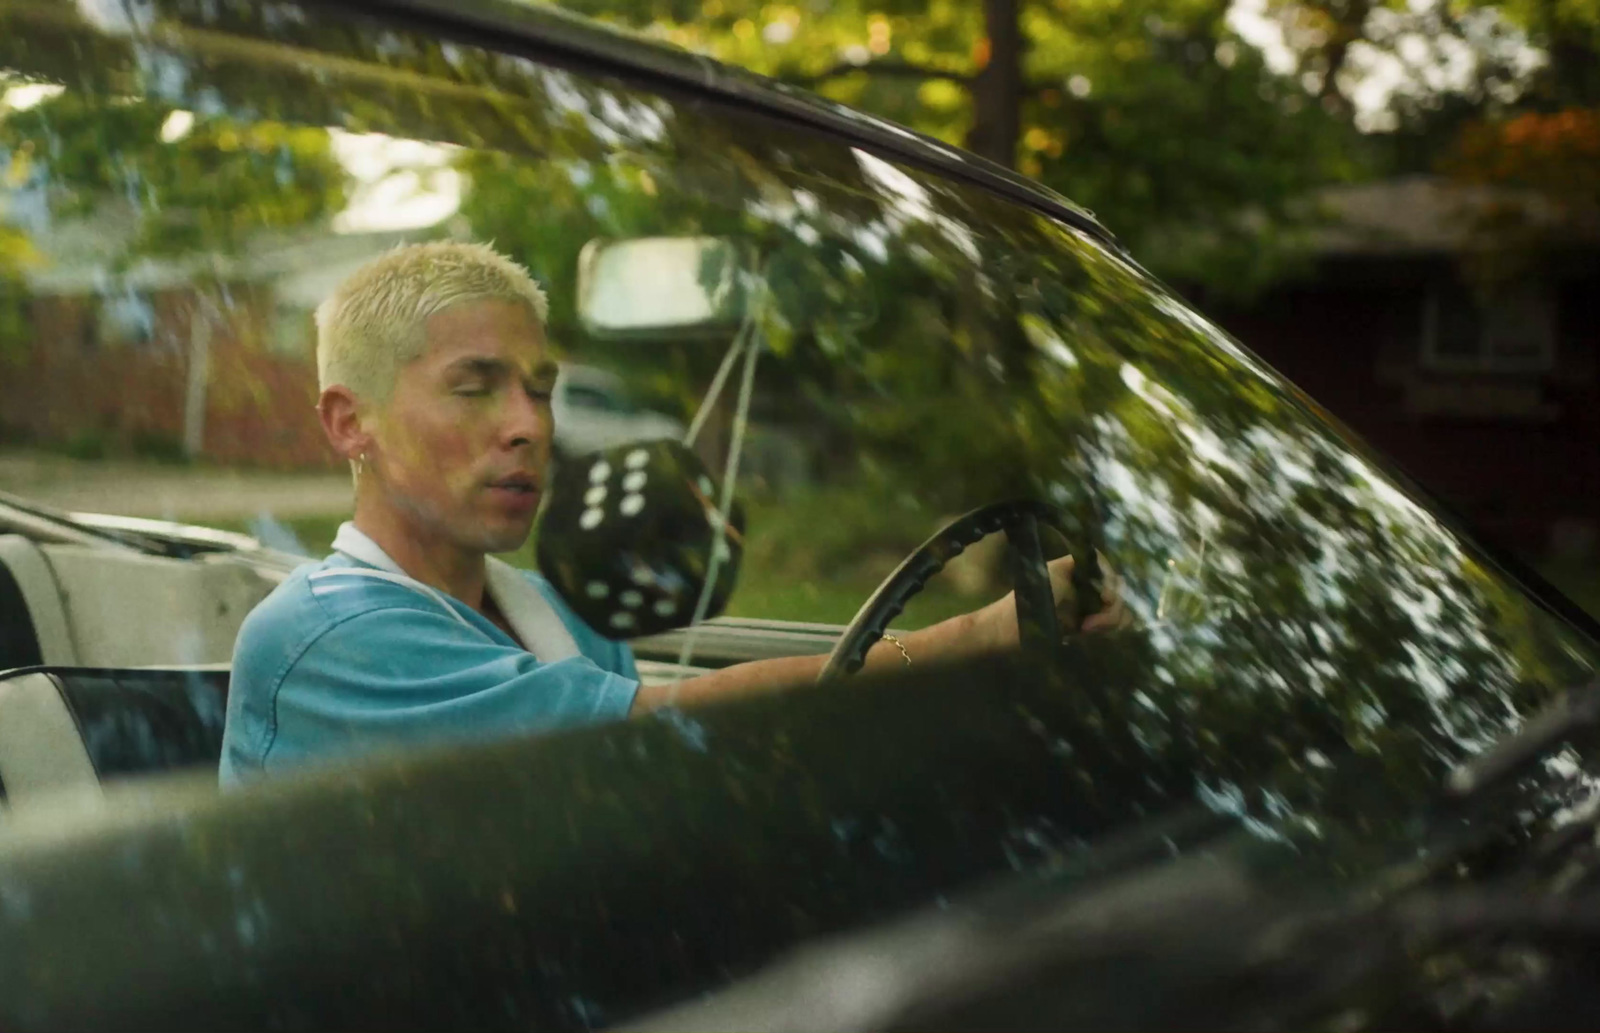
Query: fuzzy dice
x: 628, y: 535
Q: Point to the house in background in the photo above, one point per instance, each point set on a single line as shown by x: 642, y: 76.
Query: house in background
x: 214, y: 359
x: 171, y: 356
x: 1488, y: 396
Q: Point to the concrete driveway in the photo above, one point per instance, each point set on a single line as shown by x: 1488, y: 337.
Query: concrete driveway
x: 164, y: 491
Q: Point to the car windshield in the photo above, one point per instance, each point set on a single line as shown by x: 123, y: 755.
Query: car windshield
x: 182, y: 183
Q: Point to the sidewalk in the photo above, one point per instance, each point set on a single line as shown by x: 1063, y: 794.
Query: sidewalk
x: 169, y: 492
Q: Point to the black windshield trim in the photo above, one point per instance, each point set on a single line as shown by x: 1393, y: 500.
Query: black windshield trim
x: 590, y: 48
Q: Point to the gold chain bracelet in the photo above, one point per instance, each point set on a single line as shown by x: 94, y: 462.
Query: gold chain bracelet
x: 900, y: 646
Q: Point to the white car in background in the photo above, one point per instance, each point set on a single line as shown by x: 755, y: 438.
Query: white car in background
x: 592, y: 411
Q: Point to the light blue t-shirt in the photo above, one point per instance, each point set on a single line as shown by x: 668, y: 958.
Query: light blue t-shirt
x: 343, y: 664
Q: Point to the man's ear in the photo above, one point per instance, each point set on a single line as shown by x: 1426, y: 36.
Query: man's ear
x: 343, y: 423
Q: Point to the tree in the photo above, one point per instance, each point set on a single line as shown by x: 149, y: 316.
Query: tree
x: 1154, y: 113
x: 1557, y: 155
x: 192, y: 184
x: 1297, y: 605
x: 1458, y: 63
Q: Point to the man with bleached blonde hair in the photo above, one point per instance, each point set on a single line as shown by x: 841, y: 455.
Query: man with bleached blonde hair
x: 435, y: 384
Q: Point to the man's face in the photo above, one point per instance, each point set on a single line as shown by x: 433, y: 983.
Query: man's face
x: 465, y: 438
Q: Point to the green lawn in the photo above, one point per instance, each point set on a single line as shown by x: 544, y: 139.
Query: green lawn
x: 763, y: 591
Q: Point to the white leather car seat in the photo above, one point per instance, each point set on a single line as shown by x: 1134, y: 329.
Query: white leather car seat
x: 76, y: 728
x: 40, y: 749
x: 33, y: 618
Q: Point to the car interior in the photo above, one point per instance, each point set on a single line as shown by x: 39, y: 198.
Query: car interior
x: 114, y: 663
x: 85, y: 698
x: 114, y: 656
x: 1314, y: 655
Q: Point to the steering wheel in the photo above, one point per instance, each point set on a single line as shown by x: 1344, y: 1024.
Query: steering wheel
x: 1037, y: 627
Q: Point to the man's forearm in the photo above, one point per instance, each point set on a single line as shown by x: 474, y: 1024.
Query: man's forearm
x: 947, y: 640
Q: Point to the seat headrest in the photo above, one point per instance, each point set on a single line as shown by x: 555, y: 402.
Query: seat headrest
x: 122, y: 721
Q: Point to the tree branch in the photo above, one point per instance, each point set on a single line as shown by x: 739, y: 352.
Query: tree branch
x: 907, y: 70
x: 896, y: 69
x: 1348, y: 30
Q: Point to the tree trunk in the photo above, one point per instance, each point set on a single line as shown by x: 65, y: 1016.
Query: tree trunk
x: 997, y: 93
x: 1350, y: 25
x: 199, y: 374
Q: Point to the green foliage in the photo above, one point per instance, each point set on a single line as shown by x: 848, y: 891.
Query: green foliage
x: 1293, y: 603
x: 1153, y: 114
x: 209, y: 189
x: 163, y: 448
x: 86, y: 444
x: 180, y: 179
x: 1451, y: 64
x: 1568, y: 34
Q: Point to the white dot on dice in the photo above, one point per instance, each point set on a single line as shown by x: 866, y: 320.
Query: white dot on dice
x: 665, y: 607
x: 631, y: 504
x: 634, y: 481
x: 637, y: 458
x: 706, y: 487
x: 599, y: 471
x: 591, y: 519
x: 630, y: 599
x: 621, y: 619
x: 595, y: 495
x: 597, y: 589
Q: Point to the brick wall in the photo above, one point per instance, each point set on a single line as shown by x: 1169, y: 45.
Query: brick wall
x: 79, y: 384
x: 1518, y: 455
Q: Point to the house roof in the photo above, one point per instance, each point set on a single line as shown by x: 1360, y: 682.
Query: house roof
x: 79, y: 257
x: 1433, y: 215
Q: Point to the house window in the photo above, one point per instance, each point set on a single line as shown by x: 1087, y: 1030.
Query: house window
x: 293, y: 332
x: 1512, y: 330
x: 124, y: 319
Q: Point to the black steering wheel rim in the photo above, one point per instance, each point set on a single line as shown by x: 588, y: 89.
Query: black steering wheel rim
x: 1020, y: 519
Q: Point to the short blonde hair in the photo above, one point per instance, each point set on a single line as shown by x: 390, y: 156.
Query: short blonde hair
x: 373, y: 323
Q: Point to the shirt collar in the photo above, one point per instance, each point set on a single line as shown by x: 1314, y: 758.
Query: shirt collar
x: 355, y: 544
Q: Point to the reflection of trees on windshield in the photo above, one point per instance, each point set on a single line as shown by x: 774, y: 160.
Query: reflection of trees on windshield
x: 1296, y: 604
x: 191, y: 183
x: 937, y: 348
x: 137, y: 179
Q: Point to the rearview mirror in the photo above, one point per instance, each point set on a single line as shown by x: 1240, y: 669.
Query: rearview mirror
x: 661, y: 287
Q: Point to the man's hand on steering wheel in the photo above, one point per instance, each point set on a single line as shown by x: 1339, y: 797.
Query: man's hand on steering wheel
x: 1024, y: 618
x: 1050, y: 601
x: 995, y: 628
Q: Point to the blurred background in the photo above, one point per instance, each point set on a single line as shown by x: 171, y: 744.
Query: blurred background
x: 1395, y: 203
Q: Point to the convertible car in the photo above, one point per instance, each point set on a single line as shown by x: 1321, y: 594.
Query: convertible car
x: 1335, y: 772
